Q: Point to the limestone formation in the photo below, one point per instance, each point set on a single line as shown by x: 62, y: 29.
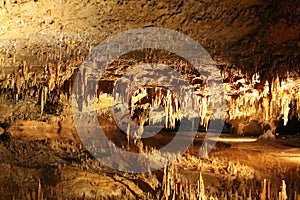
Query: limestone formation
x: 268, y: 135
x: 257, y: 54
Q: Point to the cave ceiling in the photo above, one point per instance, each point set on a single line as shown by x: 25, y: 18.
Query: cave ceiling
x: 253, y: 35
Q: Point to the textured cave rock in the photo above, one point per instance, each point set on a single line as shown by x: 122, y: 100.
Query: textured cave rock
x: 255, y: 44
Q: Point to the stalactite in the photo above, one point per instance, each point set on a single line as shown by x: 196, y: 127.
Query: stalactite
x: 246, y: 102
x: 283, y: 193
x: 2, y: 60
x: 285, y: 107
x: 268, y: 103
x: 43, y: 97
x: 157, y: 99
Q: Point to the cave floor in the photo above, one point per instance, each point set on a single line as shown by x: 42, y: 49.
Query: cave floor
x: 57, y: 166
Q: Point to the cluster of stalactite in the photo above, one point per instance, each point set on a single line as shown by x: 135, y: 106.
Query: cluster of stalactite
x: 53, y: 85
x: 155, y: 98
x: 46, y: 73
x: 154, y: 104
x: 278, y: 100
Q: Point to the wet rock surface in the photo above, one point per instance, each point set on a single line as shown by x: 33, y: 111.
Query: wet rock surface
x: 59, y: 168
x: 255, y: 45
